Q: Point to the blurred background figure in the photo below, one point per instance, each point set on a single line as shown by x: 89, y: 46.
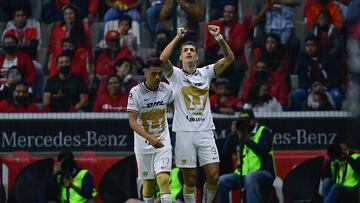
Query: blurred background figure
x: 20, y: 101
x: 342, y: 173
x: 73, y: 184
x: 260, y: 100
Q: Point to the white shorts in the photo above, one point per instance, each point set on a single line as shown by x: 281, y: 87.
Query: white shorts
x: 149, y: 165
x: 190, y: 145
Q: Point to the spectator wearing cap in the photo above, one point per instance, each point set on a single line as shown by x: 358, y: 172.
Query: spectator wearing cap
x: 13, y: 57
x: 222, y: 101
x: 20, y: 101
x: 79, y: 60
x: 252, y: 143
x: 70, y: 27
x: 105, y: 62
x: 27, y: 31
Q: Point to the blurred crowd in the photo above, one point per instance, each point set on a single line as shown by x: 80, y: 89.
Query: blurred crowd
x: 95, y: 52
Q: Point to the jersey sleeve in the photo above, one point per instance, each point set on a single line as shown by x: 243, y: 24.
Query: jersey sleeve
x: 209, y: 71
x: 170, y: 92
x: 174, y: 76
x: 133, y: 101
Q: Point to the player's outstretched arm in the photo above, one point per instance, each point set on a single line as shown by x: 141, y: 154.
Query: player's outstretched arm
x: 166, y: 54
x: 222, y: 64
x: 139, y: 130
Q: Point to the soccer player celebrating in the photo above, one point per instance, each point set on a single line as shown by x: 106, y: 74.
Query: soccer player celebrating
x: 147, y: 104
x: 193, y: 121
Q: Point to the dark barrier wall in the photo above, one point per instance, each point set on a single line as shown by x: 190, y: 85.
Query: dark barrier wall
x: 106, y: 134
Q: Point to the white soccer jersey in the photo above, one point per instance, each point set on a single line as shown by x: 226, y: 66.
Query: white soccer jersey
x: 192, y: 103
x: 151, y: 108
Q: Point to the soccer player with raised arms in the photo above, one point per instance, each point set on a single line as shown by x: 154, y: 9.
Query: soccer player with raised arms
x: 193, y: 122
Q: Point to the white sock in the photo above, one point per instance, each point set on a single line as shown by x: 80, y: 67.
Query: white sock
x: 208, y: 195
x: 148, y: 199
x: 189, y: 198
x: 166, y: 198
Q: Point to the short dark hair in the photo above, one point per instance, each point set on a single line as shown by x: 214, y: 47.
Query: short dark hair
x: 153, y: 62
x: 62, y: 55
x: 68, y: 40
x: 121, y: 61
x: 312, y: 38
x: 189, y: 42
x: 126, y: 18
x: 325, y: 13
x: 65, y: 154
x: 113, y: 76
x: 25, y: 8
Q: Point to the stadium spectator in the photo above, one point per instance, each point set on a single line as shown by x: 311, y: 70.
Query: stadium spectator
x: 122, y: 7
x: 126, y: 38
x: 79, y: 60
x: 312, y: 65
x: 330, y: 38
x: 279, y: 19
x: 14, y: 76
x: 114, y: 99
x: 72, y: 184
x: 222, y: 101
x: 105, y: 62
x: 70, y: 27
x: 162, y: 38
x: 7, y: 8
x: 342, y: 173
x: 13, y: 57
x: 65, y: 92
x: 27, y: 31
x: 255, y: 167
x: 260, y: 101
x: 270, y: 66
x: 236, y: 35
x: 313, y: 11
x: 123, y: 71
x: 188, y: 15
x: 319, y: 98
x: 152, y: 14
x: 52, y: 11
x: 20, y: 101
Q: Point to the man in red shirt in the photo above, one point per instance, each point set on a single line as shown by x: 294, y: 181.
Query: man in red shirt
x: 114, y: 100
x: 20, y: 102
x: 236, y: 35
x: 105, y: 63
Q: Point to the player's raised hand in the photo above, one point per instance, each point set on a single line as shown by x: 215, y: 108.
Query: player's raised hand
x: 155, y: 142
x: 214, y: 30
x: 181, y: 32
